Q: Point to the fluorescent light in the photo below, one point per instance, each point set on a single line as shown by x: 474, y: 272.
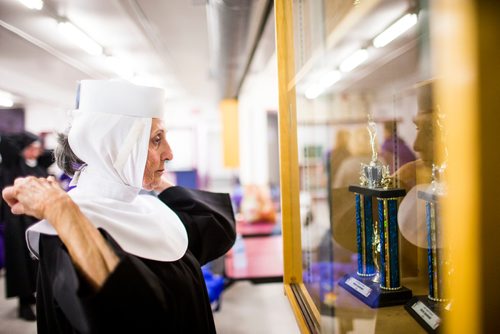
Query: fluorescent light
x: 80, y: 38
x: 354, y: 60
x: 396, y: 29
x: 329, y: 79
x: 313, y: 91
x: 6, y: 99
x: 32, y: 4
x: 324, y: 82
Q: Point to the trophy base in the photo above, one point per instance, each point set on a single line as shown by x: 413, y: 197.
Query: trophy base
x: 426, y: 312
x: 371, y: 294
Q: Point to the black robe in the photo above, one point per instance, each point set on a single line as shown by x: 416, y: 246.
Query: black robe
x: 20, y: 267
x: 140, y: 295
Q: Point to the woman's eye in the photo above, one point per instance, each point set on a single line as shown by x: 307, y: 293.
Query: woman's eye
x: 157, y: 140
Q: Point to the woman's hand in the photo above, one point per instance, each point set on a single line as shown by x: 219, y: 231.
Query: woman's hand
x: 34, y: 196
x: 44, y: 199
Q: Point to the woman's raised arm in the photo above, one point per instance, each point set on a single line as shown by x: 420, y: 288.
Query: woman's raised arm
x: 44, y: 199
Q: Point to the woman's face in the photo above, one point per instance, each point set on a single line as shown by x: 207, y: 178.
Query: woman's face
x: 32, y: 151
x: 158, y: 152
x: 424, y: 141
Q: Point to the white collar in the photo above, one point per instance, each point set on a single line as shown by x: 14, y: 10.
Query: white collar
x: 141, y: 224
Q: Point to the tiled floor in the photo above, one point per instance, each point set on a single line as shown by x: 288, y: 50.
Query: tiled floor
x: 245, y: 308
x: 9, y: 322
x: 248, y: 308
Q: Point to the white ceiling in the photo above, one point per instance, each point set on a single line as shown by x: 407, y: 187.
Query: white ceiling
x: 164, y: 42
x: 395, y: 65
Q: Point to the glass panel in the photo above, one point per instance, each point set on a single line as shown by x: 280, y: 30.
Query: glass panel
x: 365, y: 99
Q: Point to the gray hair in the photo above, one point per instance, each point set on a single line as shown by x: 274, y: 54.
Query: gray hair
x: 65, y: 158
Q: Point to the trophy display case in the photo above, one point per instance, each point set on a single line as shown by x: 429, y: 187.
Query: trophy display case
x: 360, y: 88
x: 377, y: 281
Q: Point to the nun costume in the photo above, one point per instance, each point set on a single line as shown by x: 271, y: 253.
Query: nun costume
x: 161, y: 242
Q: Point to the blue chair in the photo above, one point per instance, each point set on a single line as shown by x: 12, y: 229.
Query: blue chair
x: 215, y: 285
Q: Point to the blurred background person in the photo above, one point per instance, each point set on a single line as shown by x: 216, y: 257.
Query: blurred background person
x: 359, y: 146
x: 417, y: 175
x: 394, y: 151
x: 419, y: 170
x: 22, y: 155
x: 334, y: 159
x: 343, y: 213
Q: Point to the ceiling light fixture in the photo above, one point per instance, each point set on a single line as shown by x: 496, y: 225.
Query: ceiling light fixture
x: 313, y: 91
x: 329, y: 78
x: 324, y: 82
x: 6, y: 99
x: 32, y: 4
x: 354, y: 60
x: 80, y: 38
x: 395, y: 30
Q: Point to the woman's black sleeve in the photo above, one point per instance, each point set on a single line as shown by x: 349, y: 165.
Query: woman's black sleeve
x: 131, y: 299
x: 208, y: 218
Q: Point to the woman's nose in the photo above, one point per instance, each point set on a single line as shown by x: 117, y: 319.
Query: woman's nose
x: 417, y: 145
x: 168, y: 154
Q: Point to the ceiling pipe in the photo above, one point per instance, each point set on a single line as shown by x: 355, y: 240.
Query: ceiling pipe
x: 234, y: 30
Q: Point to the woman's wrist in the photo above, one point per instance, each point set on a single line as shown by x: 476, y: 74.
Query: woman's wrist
x: 56, y: 208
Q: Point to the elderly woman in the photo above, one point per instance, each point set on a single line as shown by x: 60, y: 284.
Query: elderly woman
x: 112, y: 259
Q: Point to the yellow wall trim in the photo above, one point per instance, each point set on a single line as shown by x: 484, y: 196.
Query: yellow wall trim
x: 454, y: 38
x: 289, y: 169
x: 230, y: 133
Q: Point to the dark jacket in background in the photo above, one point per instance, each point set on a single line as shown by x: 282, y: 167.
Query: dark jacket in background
x: 20, y: 268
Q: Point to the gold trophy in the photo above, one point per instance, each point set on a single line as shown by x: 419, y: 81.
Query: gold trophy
x: 377, y: 281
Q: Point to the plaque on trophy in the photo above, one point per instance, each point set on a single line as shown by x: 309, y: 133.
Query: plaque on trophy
x: 428, y: 310
x: 377, y: 280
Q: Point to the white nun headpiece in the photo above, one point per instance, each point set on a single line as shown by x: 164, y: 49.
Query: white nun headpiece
x: 110, y: 132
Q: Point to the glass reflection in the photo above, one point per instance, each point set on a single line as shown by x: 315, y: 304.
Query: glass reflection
x: 358, y: 61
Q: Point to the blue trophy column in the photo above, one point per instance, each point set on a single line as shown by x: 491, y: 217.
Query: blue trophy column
x: 377, y: 252
x: 434, y: 255
x: 389, y: 244
x: 364, y: 235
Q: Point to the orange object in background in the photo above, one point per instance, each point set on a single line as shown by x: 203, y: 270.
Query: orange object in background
x: 257, y: 204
